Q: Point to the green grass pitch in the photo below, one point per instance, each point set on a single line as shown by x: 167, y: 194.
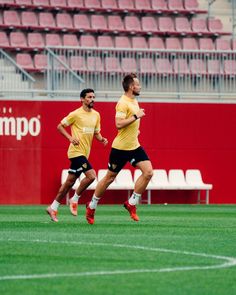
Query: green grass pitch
x: 173, y: 250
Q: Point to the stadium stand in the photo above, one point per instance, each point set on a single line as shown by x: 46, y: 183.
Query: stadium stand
x: 30, y: 26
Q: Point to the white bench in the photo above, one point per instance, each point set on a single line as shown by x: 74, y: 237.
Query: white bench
x: 123, y: 181
x: 174, y: 180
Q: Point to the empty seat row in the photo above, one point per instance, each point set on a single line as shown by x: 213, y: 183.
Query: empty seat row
x: 175, y: 179
x: 37, y: 41
x: 113, y: 23
x: 160, y: 6
x: 160, y: 66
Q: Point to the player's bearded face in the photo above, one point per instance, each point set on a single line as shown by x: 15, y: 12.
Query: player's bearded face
x: 90, y: 105
x: 136, y: 87
x: 89, y: 100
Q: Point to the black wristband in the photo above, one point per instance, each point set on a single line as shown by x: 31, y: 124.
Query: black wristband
x: 135, y: 116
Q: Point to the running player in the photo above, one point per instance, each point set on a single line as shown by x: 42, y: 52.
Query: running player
x: 85, y: 124
x: 125, y: 148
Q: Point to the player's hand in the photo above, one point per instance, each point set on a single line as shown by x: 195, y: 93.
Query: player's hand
x: 140, y: 113
x: 104, y: 141
x: 74, y: 141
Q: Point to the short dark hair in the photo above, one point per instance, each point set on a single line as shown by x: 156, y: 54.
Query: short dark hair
x: 128, y: 80
x: 85, y: 91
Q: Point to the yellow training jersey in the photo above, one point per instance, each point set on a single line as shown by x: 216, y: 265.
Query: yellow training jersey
x: 83, y: 126
x: 127, y: 137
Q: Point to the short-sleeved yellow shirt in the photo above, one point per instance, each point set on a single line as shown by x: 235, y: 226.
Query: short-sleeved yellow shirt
x: 127, y: 137
x: 83, y: 126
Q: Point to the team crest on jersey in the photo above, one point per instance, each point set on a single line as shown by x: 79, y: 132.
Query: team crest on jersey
x: 113, y: 166
x: 85, y: 165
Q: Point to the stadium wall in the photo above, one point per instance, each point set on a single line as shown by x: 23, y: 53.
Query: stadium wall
x: 175, y: 135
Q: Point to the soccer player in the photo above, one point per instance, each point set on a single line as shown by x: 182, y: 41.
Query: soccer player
x: 125, y: 148
x: 85, y: 124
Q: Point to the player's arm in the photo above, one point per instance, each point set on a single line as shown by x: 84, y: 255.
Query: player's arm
x: 100, y: 138
x: 123, y: 122
x: 62, y: 129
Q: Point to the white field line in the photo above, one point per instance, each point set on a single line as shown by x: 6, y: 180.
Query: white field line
x: 227, y: 261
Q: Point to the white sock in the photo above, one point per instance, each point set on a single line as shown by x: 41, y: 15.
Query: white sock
x: 75, y: 198
x: 134, y: 199
x: 55, y: 205
x: 93, y: 203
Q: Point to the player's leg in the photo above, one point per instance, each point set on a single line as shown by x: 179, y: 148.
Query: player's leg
x: 64, y: 189
x: 99, y: 191
x: 116, y: 163
x: 141, y: 161
x: 90, y: 175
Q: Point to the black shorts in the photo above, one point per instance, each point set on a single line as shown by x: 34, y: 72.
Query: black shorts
x: 118, y: 158
x: 78, y: 165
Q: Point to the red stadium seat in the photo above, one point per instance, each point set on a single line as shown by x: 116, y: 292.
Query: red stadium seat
x: 94, y: 64
x: 98, y: 22
x: 176, y: 5
x: 81, y: 22
x: 70, y: 40
x: 92, y: 5
x: 105, y: 42
x: 190, y: 44
x: 18, y: 40
x: 163, y: 66
x: 128, y: 64
x: 76, y: 4
x: 122, y: 42
x: 159, y: 5
x: 233, y: 44
x: 41, y: 4
x: 29, y: 19
x: 214, y: 67
x: 40, y: 62
x: 46, y: 21
x: 126, y: 5
x: 206, y: 44
x: 139, y: 42
x: 182, y: 25
x: 230, y: 67
x: 215, y: 26
x: 112, y: 65
x: 149, y: 24
x: 199, y: 26
x: 53, y: 40
x: 180, y: 66
x: 115, y: 23
x: 35, y: 41
x: 11, y: 19
x: 24, y: 60
x: 143, y: 5
x: 4, y: 41
x: 173, y: 43
x: 77, y: 63
x: 166, y: 24
x: 147, y: 66
x: 222, y: 44
x: 197, y: 67
x: 87, y: 41
x: 64, y: 21
x: 109, y: 5
x: 156, y: 43
x: 191, y: 5
x: 58, y: 4
x: 132, y: 24
x: 24, y: 3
